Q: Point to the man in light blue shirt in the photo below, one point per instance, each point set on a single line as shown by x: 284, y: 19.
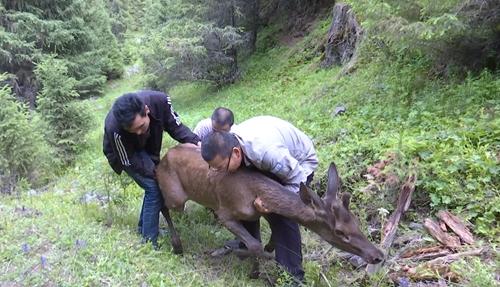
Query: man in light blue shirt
x: 279, y: 150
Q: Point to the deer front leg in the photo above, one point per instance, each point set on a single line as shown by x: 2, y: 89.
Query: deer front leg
x: 174, y: 237
x: 253, y: 245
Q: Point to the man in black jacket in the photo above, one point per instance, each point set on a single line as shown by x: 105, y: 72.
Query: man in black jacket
x: 133, y: 132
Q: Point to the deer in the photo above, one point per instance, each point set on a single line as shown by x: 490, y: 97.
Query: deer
x: 183, y: 175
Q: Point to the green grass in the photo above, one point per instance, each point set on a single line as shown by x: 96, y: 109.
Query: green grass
x: 391, y: 107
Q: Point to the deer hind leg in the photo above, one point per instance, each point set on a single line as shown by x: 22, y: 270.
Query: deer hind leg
x: 173, y: 194
x: 174, y: 237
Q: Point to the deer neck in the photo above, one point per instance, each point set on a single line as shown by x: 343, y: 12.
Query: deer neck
x: 283, y: 202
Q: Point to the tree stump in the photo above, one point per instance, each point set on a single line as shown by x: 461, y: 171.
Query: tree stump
x: 343, y: 36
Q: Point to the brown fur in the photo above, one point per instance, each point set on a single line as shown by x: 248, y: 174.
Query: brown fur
x: 183, y: 175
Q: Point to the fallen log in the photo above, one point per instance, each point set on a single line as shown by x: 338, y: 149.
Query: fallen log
x: 444, y: 238
x: 389, y: 230
x: 456, y: 225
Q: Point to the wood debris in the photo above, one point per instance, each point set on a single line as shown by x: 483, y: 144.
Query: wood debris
x: 390, y: 228
x: 456, y: 225
x: 444, y: 238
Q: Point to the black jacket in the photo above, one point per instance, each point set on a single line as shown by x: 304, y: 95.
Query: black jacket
x: 121, y: 147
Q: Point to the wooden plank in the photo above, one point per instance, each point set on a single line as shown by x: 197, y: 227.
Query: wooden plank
x: 444, y: 238
x: 457, y: 226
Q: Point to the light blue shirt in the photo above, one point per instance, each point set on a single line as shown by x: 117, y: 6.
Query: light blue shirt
x: 274, y: 145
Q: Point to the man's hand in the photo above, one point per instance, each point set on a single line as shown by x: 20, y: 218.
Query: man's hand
x: 259, y: 205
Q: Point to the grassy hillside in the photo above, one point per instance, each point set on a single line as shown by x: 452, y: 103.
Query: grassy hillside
x: 80, y: 230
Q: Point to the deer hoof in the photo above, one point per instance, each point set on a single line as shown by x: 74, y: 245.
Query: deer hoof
x: 254, y: 274
x: 269, y: 247
x: 177, y: 246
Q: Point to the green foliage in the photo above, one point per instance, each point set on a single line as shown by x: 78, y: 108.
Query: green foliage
x: 21, y: 141
x: 392, y: 106
x: 68, y: 121
x: 476, y: 273
x: 458, y: 36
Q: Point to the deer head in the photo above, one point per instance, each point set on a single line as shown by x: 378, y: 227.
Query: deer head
x: 335, y: 223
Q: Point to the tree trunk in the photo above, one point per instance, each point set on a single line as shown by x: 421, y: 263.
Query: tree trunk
x: 343, y: 37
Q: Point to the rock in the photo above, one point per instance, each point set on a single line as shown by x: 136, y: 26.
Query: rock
x: 130, y: 71
x: 32, y: 192
x: 79, y: 243
x: 44, y: 262
x: 357, y: 261
x: 93, y: 196
x: 403, y: 282
x: 339, y: 110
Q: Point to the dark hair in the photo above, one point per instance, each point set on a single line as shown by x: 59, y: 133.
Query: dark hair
x: 126, y: 107
x: 223, y: 116
x: 218, y: 143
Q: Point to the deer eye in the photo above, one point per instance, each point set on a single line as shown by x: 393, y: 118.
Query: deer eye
x: 343, y: 236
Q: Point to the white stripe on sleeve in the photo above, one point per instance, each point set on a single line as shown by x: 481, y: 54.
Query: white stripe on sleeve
x: 121, y: 150
x: 174, y: 114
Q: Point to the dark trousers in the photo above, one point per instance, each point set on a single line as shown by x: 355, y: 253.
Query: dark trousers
x: 151, y: 204
x: 285, y: 235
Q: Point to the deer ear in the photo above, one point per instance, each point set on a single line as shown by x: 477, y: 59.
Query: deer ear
x: 346, y: 199
x: 333, y: 184
x: 310, y: 197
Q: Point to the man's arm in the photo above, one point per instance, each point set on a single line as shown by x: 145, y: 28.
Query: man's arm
x: 203, y: 128
x: 174, y: 127
x: 127, y: 156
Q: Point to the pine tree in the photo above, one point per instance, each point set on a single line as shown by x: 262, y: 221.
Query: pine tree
x: 77, y: 31
x: 21, y: 142
x: 68, y: 122
x: 195, y: 40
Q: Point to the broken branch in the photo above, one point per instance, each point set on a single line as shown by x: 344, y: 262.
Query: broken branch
x: 436, y: 232
x: 456, y: 225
